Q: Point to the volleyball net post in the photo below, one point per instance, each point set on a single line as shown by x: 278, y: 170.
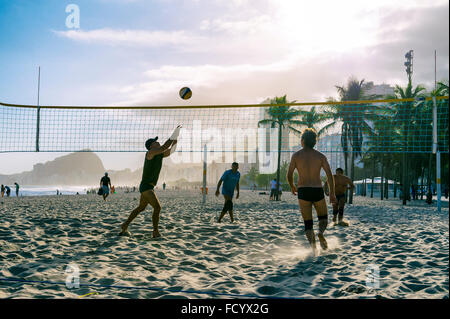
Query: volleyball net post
x: 204, y: 173
x: 436, y: 151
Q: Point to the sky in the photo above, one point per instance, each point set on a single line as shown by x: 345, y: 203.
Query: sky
x: 137, y: 52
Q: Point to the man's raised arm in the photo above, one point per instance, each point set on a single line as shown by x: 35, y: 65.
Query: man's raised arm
x: 172, y: 149
x: 166, y: 145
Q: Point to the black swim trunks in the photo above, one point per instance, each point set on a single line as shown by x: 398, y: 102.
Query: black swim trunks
x: 310, y: 194
x: 339, y: 197
x: 143, y: 187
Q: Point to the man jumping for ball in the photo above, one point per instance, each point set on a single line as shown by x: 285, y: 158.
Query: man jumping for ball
x: 308, y: 163
x: 341, y: 184
x: 230, y: 181
x: 152, y: 167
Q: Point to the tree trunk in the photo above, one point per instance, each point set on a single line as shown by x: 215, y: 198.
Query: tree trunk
x: 386, y: 190
x: 421, y: 182
x: 352, y: 177
x: 373, y: 178
x: 395, y: 184
x: 429, y: 194
x: 278, y: 164
x: 405, y: 178
x: 381, y: 179
x: 346, y: 171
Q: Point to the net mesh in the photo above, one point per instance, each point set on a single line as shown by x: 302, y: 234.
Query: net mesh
x: 394, y: 126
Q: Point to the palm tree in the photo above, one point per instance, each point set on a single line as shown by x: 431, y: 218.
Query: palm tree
x: 385, y: 137
x: 442, y: 89
x: 355, y: 119
x: 403, y: 115
x: 281, y: 115
x: 313, y: 118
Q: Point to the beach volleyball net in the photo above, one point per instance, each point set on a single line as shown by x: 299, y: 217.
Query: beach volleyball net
x: 379, y: 126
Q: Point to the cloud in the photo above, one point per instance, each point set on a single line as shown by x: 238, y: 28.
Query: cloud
x: 131, y: 37
x: 302, y: 49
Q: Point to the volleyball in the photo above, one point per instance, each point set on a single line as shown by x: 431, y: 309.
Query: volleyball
x: 185, y: 93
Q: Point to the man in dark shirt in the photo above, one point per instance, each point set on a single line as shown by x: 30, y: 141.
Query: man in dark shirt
x: 17, y: 189
x: 8, y: 191
x: 105, y: 183
x: 152, y: 167
x: 230, y: 180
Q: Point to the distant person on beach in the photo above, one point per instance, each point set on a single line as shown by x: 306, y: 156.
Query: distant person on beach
x: 230, y: 180
x: 164, y: 186
x: 152, y: 168
x: 280, y: 191
x: 446, y: 191
x: 105, y: 183
x: 3, y: 190
x: 341, y: 184
x: 309, y: 163
x: 273, y: 189
x: 17, y: 189
x: 8, y: 190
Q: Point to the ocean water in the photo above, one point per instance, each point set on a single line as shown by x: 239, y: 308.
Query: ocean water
x: 49, y: 190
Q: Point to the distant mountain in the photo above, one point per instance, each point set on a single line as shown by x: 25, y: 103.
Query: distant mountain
x: 86, y: 169
x: 81, y: 168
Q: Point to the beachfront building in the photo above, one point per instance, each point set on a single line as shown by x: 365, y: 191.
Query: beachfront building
x: 331, y: 146
x: 377, y: 89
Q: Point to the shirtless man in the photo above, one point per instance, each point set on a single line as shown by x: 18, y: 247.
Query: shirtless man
x: 308, y: 163
x: 152, y: 167
x: 341, y: 184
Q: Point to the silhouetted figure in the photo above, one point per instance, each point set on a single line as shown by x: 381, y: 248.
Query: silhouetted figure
x: 8, y: 191
x: 17, y: 189
x: 105, y: 183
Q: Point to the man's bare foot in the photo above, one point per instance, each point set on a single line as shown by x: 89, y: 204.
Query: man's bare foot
x: 343, y: 223
x: 323, y: 242
x: 124, y: 231
x: 156, y: 234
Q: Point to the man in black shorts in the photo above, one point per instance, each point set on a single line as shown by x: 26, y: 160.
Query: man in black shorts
x: 309, y: 163
x: 341, y: 184
x: 152, y: 168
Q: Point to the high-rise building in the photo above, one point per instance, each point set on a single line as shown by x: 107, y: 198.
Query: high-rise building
x: 377, y: 89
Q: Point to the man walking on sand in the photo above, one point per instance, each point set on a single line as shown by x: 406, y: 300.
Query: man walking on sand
x: 309, y: 163
x: 273, y: 189
x: 341, y: 184
x: 152, y: 168
x: 230, y: 181
x: 105, y: 183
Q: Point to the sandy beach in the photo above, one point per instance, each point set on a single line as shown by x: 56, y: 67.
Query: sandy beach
x: 264, y: 253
